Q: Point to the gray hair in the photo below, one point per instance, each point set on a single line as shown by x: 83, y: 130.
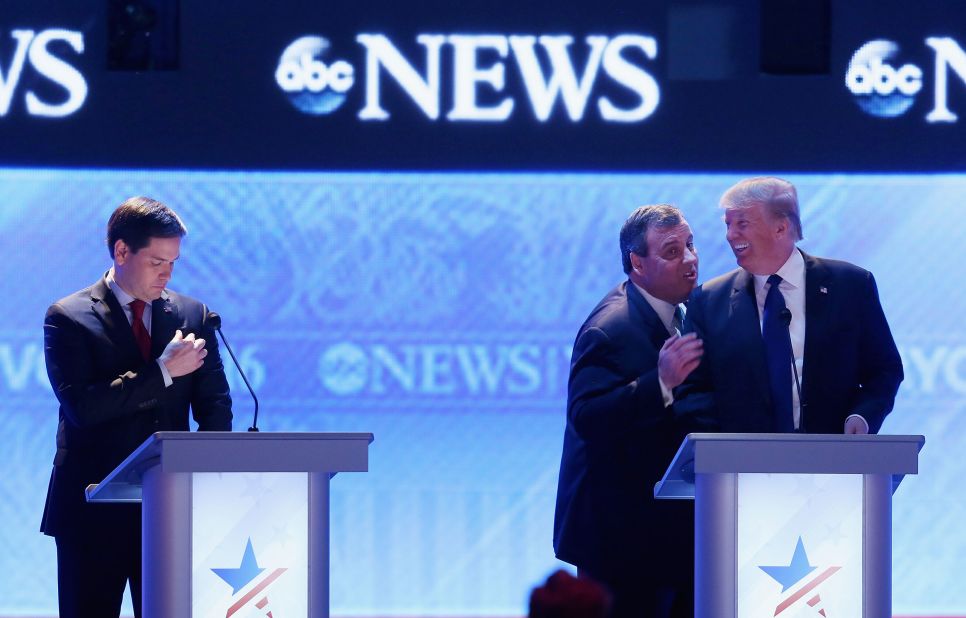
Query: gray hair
x: 777, y: 195
x: 634, y: 231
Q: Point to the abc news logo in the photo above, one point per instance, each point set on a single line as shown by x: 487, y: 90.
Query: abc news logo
x: 40, y: 59
x: 452, y: 369
x: 886, y: 87
x: 607, y: 73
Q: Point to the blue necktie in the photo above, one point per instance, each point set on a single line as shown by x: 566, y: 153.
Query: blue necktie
x: 778, y: 354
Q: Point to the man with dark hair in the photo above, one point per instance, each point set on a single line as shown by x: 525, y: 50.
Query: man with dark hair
x: 138, y: 220
x: 621, y: 432
x: 126, y: 357
x: 785, y: 318
x: 566, y: 596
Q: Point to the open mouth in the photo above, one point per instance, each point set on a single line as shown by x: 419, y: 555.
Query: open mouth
x: 739, y: 248
x: 691, y: 276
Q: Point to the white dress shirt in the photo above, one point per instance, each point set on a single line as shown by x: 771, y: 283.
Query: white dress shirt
x: 125, y: 299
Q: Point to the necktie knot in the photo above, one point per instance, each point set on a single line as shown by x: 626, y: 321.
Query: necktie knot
x: 775, y: 280
x: 137, y: 308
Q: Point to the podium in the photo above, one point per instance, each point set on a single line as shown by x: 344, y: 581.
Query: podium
x: 791, y: 525
x: 234, y: 524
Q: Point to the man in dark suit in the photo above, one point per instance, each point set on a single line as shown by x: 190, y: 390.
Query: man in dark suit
x: 126, y: 358
x: 621, y: 433
x: 783, y: 304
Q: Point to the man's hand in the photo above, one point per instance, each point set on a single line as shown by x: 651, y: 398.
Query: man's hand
x: 183, y: 354
x: 680, y: 355
x: 855, y: 424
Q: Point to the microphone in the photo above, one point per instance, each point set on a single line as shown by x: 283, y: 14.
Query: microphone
x: 214, y: 320
x: 786, y: 318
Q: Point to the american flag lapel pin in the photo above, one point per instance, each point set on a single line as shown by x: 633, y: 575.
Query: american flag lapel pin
x: 823, y: 290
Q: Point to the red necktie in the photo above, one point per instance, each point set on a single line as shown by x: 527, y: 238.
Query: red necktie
x: 141, y: 334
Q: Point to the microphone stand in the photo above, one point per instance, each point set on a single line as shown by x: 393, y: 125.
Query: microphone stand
x: 215, y: 321
x: 786, y: 318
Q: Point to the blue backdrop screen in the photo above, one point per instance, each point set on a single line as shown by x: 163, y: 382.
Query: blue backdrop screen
x: 437, y: 310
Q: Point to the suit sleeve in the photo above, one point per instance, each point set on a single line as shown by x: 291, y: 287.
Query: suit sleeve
x: 602, y: 399
x: 210, y: 400
x: 87, y: 400
x: 880, y: 367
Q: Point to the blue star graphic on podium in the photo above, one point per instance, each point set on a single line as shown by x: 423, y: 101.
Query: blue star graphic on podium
x: 789, y: 575
x: 246, y: 572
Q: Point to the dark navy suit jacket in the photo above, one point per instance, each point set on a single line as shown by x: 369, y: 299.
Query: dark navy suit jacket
x: 111, y: 400
x: 618, y: 441
x: 851, y: 364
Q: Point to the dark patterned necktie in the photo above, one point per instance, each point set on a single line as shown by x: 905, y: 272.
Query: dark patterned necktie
x: 141, y: 334
x: 677, y: 322
x: 778, y: 354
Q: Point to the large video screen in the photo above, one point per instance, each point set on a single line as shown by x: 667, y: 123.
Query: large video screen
x: 437, y: 311
x: 404, y: 211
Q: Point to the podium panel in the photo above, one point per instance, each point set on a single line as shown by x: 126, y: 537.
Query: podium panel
x: 799, y: 544
x: 250, y: 536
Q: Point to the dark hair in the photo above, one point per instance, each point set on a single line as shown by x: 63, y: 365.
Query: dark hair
x: 139, y: 219
x: 634, y: 231
x: 566, y: 596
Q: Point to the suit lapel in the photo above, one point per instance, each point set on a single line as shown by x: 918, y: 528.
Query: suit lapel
x: 744, y: 318
x: 108, y: 310
x: 165, y: 320
x: 816, y: 309
x: 656, y: 330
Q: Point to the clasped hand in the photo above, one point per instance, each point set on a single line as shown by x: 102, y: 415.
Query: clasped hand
x: 680, y: 355
x: 183, y: 354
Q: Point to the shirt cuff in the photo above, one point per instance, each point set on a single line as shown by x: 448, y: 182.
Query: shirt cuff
x: 164, y: 374
x: 861, y: 418
x: 666, y: 393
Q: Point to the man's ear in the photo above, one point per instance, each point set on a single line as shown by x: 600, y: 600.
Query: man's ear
x: 782, y: 227
x: 636, y: 263
x: 121, y: 251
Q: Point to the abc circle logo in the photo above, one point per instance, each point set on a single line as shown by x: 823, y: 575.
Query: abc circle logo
x: 882, y: 88
x: 310, y: 84
x: 344, y: 369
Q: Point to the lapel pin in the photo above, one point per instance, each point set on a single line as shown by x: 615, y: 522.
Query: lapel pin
x: 167, y: 308
x: 823, y: 290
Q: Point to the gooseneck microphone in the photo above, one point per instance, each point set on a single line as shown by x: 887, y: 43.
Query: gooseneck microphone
x: 214, y: 320
x: 786, y: 318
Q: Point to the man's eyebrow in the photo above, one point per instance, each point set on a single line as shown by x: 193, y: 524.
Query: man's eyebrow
x: 670, y: 240
x: 158, y: 257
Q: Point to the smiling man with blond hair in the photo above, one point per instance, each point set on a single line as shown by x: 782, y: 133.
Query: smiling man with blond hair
x: 793, y: 342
